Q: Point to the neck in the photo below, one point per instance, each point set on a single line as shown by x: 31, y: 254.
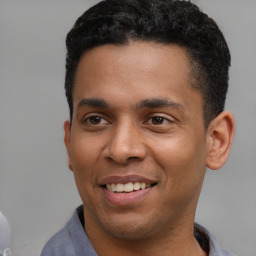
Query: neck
x: 165, y: 247
x: 179, y: 241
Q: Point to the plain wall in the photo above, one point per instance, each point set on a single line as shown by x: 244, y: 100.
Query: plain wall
x: 37, y: 190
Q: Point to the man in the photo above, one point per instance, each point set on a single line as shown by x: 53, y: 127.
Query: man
x: 146, y: 82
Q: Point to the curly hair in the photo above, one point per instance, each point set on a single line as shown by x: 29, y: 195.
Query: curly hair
x: 160, y: 21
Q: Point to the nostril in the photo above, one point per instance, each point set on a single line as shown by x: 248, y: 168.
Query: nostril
x: 123, y: 152
x: 132, y: 157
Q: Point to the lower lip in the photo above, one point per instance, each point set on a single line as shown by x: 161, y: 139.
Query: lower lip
x: 127, y: 198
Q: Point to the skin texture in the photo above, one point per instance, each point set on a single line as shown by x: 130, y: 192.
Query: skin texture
x: 136, y: 113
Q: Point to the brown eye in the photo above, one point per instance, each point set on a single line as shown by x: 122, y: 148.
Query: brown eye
x: 157, y: 120
x: 95, y: 119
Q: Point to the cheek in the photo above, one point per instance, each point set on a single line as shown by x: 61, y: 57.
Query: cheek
x: 182, y: 159
x: 83, y: 152
x: 83, y: 155
x: 84, y: 170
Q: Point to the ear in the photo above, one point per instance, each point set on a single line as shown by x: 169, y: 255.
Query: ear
x: 220, y: 136
x: 67, y: 141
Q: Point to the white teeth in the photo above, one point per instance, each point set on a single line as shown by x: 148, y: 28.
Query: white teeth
x: 142, y: 185
x: 127, y: 187
x: 112, y: 187
x: 136, y: 186
x: 119, y: 187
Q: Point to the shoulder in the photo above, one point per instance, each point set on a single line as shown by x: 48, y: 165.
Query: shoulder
x: 59, y: 245
x: 214, y: 247
x: 62, y: 244
x: 71, y: 240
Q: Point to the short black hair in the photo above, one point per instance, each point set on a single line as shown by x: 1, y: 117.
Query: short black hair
x: 161, y: 21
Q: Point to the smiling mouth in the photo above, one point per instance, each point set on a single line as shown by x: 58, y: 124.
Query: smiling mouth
x: 128, y: 187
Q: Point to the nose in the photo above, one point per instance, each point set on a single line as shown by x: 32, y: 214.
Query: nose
x: 125, y: 144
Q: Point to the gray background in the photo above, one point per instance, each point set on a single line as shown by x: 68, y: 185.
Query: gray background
x: 37, y: 191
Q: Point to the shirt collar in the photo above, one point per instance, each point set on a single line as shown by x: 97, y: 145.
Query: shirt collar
x: 83, y: 245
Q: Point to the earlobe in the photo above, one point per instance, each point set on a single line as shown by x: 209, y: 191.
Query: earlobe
x: 67, y: 142
x: 220, y: 136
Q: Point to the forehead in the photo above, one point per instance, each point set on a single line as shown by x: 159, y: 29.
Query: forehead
x: 146, y: 54
x: 135, y: 69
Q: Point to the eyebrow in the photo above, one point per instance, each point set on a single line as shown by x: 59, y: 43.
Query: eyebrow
x: 158, y: 103
x: 93, y: 102
x: 146, y: 103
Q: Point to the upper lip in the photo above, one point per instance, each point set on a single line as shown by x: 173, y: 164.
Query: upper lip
x: 125, y: 179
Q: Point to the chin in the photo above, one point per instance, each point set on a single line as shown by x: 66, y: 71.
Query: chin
x: 133, y: 233
x: 129, y: 228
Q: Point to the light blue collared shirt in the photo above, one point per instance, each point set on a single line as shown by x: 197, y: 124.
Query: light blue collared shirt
x: 73, y: 241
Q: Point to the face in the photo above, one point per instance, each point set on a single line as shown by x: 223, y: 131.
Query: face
x: 137, y: 144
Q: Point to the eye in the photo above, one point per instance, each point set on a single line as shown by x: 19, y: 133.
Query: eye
x: 160, y: 123
x: 95, y: 120
x: 157, y: 120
